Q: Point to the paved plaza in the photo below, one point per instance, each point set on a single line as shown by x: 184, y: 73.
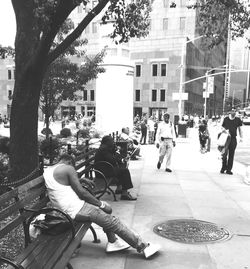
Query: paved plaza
x: 194, y: 190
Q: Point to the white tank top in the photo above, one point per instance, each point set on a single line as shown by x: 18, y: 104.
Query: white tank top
x: 61, y: 196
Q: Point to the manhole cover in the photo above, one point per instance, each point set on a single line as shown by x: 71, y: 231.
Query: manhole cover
x: 191, y: 231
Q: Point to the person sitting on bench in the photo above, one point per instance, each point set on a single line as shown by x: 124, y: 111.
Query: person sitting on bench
x: 107, y: 152
x: 133, y: 144
x: 67, y: 194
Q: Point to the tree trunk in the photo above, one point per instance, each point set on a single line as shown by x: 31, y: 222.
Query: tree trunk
x: 23, y: 127
x: 24, y: 110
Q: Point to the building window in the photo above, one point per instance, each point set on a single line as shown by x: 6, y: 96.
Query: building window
x: 163, y: 95
x: 92, y: 95
x: 87, y: 29
x: 154, y: 70
x: 137, y: 95
x: 166, y: 3
x: 94, y: 27
x: 183, y: 3
x: 154, y: 95
x: 9, y: 74
x: 163, y: 70
x: 182, y: 23
x: 79, y: 9
x: 94, y: 3
x: 138, y: 70
x: 125, y: 53
x: 165, y: 24
x: 85, y: 95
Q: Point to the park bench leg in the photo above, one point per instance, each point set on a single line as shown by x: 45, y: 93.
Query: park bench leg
x: 112, y: 192
x: 96, y: 240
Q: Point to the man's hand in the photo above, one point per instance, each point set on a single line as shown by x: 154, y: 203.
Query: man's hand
x: 106, y: 207
x: 89, y: 183
x: 157, y: 145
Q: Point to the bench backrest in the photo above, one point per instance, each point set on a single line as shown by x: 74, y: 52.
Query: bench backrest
x: 27, y: 196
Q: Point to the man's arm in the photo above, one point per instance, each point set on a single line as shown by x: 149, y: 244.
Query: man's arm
x: 79, y: 190
x: 240, y: 132
x: 83, y: 193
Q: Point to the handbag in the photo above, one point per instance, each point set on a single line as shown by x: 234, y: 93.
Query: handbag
x: 52, y: 224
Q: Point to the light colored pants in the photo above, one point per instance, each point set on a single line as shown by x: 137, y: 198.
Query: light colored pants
x: 109, y: 223
x: 166, y: 148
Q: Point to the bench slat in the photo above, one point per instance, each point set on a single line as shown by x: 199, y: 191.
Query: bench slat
x: 65, y: 257
x: 31, y: 184
x: 46, y: 250
x: 20, y: 218
x: 6, y: 197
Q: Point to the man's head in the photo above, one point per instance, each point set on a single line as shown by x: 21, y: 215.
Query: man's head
x: 166, y: 117
x: 232, y: 113
x: 125, y: 130
x: 108, y: 141
x: 67, y: 159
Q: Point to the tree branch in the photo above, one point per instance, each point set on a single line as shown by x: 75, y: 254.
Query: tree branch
x: 63, y: 10
x: 77, y: 32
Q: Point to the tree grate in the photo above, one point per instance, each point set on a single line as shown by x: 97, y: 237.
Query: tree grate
x: 191, y: 231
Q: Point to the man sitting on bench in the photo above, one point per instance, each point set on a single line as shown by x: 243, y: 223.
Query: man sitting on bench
x: 107, y: 152
x: 67, y: 194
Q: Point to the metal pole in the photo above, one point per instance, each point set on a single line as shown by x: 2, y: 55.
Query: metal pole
x: 205, y: 103
x: 181, y: 79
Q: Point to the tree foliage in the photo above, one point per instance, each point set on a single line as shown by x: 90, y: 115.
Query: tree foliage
x: 63, y: 79
x: 41, y: 38
x: 6, y: 51
x: 216, y: 15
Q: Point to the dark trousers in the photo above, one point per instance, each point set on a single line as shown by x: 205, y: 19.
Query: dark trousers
x: 124, y: 178
x: 228, y: 156
x: 143, y: 136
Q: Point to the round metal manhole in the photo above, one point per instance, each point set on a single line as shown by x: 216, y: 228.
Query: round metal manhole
x: 191, y: 231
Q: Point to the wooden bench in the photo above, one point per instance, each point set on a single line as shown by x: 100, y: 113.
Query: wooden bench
x: 18, y: 207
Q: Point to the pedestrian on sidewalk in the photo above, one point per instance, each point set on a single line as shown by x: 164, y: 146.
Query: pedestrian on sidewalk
x: 66, y: 193
x: 165, y: 141
x: 144, y: 129
x: 204, y: 137
x: 232, y: 124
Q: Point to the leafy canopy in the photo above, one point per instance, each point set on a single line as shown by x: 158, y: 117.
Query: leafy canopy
x: 216, y: 15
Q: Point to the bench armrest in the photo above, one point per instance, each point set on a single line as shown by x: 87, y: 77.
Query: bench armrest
x: 12, y: 263
x: 46, y: 210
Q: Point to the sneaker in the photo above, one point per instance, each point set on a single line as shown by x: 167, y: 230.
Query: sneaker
x: 158, y: 165
x: 128, y: 197
x: 118, y: 245
x: 222, y: 171
x: 150, y: 250
x: 168, y: 170
x: 229, y: 172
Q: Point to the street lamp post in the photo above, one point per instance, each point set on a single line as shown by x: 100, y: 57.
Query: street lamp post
x: 181, y: 71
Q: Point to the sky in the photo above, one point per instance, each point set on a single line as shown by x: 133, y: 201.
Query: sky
x: 7, y: 24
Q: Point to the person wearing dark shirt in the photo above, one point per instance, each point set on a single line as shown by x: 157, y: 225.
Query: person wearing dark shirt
x: 107, y: 152
x: 231, y: 123
x: 204, y: 137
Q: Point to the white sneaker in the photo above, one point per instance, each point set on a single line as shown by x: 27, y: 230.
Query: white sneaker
x: 117, y: 245
x: 151, y: 249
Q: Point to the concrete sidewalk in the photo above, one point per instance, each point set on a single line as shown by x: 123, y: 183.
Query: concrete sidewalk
x: 195, y: 189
